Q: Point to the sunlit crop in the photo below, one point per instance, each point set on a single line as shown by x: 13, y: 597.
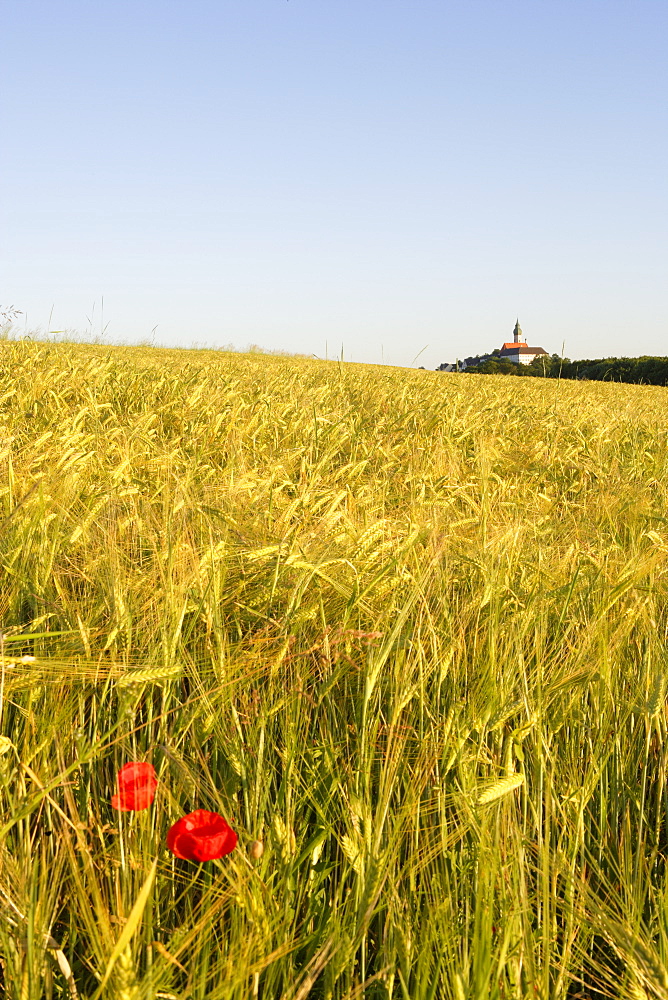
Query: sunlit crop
x: 405, y: 631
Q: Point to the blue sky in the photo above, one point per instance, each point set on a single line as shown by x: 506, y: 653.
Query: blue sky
x: 302, y: 174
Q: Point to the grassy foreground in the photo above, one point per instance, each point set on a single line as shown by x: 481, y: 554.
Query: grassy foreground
x: 406, y: 629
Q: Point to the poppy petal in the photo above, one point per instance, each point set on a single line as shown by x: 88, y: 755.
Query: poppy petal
x: 137, y: 783
x: 201, y: 836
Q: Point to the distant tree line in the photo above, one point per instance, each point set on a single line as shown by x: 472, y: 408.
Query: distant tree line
x: 645, y: 370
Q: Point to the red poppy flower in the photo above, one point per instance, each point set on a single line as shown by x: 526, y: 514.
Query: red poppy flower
x: 136, y: 787
x: 201, y: 836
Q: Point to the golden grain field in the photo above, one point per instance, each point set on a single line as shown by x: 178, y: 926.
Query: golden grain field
x: 406, y: 630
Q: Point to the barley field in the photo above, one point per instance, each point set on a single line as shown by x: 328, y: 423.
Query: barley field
x: 405, y: 631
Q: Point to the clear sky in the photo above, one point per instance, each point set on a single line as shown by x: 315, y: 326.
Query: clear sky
x: 302, y: 174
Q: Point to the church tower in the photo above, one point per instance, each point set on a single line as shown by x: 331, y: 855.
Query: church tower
x: 517, y: 333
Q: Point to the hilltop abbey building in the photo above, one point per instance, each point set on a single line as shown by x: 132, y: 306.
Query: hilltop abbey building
x: 517, y: 349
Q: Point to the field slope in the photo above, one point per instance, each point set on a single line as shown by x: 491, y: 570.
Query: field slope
x: 405, y: 629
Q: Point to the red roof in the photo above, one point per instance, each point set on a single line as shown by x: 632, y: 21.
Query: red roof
x: 514, y: 346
